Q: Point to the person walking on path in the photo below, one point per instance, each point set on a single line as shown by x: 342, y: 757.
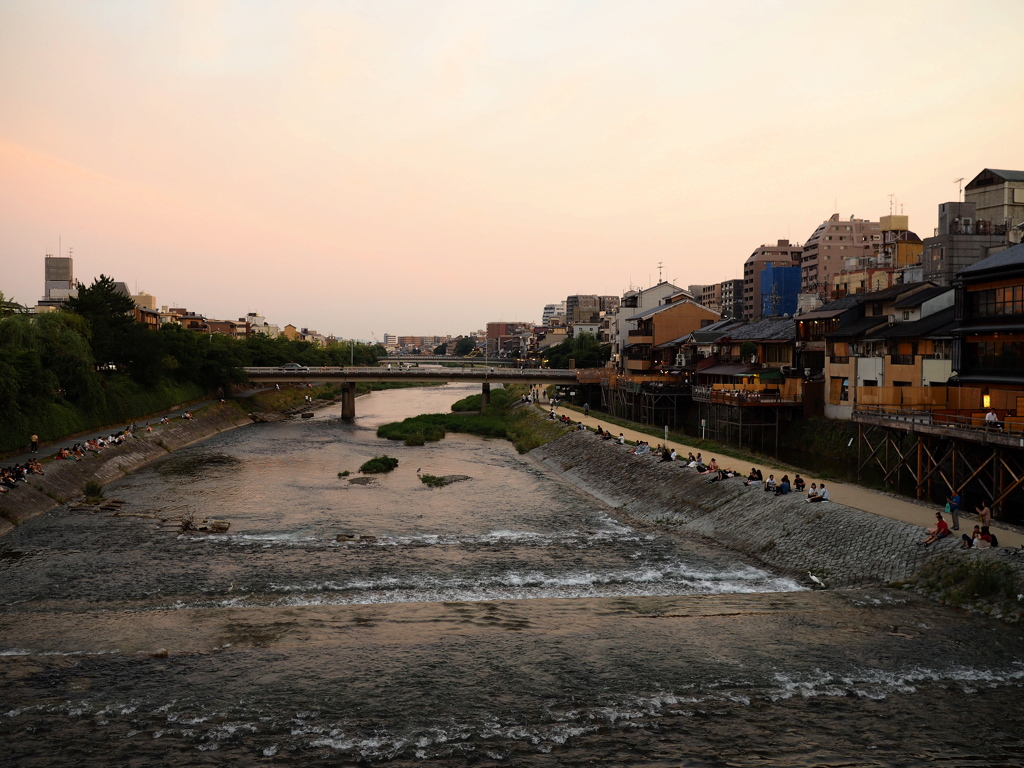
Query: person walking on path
x: 953, y: 507
x: 34, y: 443
x: 586, y: 409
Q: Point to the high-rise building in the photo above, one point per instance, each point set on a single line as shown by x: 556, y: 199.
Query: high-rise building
x: 732, y: 298
x: 827, y: 249
x: 782, y: 254
x: 58, y: 280
x: 552, y: 310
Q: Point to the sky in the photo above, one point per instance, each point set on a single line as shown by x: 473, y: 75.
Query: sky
x: 406, y: 167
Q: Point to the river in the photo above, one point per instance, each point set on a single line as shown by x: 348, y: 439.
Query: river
x: 507, y: 619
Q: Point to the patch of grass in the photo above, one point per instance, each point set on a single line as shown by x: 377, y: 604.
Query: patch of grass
x: 433, y: 481
x: 959, y: 580
x: 379, y: 465
x: 93, y: 490
x: 346, y: 473
x: 524, y: 427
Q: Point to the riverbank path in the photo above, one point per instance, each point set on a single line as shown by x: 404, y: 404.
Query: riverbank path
x: 855, y: 496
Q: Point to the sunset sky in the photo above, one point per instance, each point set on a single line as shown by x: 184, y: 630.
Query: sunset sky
x: 426, y: 167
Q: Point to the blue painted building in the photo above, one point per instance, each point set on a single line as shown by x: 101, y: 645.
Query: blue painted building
x: 780, y: 287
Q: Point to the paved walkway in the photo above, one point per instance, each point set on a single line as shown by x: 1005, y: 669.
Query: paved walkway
x: 855, y: 496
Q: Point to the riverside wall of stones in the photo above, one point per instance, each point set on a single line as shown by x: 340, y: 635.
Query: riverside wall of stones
x: 65, y: 480
x: 845, y: 547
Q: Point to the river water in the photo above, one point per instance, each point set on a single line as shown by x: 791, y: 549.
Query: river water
x: 503, y: 620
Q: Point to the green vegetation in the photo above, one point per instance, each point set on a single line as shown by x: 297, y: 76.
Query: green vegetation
x: 963, y: 580
x: 378, y: 465
x: 433, y: 481
x: 584, y: 349
x: 93, y: 491
x: 464, y: 345
x: 91, y: 365
x: 503, y: 418
x: 346, y: 473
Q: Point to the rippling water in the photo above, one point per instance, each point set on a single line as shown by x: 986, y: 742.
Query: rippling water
x: 506, y: 619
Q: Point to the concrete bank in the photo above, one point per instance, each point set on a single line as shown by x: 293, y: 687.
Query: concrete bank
x: 65, y: 480
x: 840, y: 544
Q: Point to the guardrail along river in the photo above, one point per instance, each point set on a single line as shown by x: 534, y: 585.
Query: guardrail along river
x: 506, y: 619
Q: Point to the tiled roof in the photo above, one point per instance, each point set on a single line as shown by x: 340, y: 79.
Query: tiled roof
x: 833, y: 308
x: 1011, y: 257
x: 770, y: 329
x: 859, y: 327
x: 919, y: 298
x: 940, y: 323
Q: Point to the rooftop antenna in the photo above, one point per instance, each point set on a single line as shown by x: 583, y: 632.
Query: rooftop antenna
x: 659, y: 272
x: 892, y: 200
x: 960, y: 192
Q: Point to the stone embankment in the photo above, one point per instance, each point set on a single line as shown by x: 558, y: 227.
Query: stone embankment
x: 843, y: 546
x: 65, y: 480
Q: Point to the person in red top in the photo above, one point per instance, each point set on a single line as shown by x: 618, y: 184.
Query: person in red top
x: 940, y: 531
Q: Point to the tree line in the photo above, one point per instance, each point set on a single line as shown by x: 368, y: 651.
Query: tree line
x: 90, y: 364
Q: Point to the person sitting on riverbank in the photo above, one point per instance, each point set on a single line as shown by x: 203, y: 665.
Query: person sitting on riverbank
x: 798, y: 483
x: 984, y: 515
x: 784, y: 486
x: 975, y: 540
x: 939, y: 531
x: 643, y: 448
x: 599, y: 432
x: 723, y: 474
x: 580, y: 427
x: 813, y: 491
x: 622, y: 439
x: 822, y: 494
x: 712, y: 468
x: 666, y: 454
x: 770, y: 484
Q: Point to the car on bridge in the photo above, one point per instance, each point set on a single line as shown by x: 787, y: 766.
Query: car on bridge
x: 294, y: 367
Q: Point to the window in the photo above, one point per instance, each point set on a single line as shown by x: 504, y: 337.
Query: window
x: 906, y: 314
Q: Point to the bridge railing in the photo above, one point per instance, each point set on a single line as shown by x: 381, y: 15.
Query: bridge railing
x: 438, y: 372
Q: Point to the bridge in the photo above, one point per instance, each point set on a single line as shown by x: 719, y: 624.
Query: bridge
x: 349, y: 377
x: 442, y: 359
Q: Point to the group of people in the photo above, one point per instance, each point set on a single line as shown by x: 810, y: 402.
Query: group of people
x: 78, y: 451
x: 982, y: 536
x: 11, y: 476
x: 717, y: 473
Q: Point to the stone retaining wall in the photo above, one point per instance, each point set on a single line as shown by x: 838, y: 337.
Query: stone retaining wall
x: 65, y: 480
x: 843, y: 546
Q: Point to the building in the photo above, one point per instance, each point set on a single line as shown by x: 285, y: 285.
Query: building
x: 505, y: 336
x: 650, y: 348
x: 782, y: 254
x: 960, y: 240
x: 632, y: 302
x: 828, y: 248
x: 732, y: 298
x: 779, y: 286
x: 552, y: 310
x: 998, y: 197
x: 582, y: 308
x: 258, y: 324
x: 710, y: 296
x: 989, y: 345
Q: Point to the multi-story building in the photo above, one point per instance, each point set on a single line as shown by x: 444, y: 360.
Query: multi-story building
x: 779, y: 287
x: 828, y: 248
x: 959, y: 241
x: 258, y: 324
x: 710, y: 296
x: 501, y: 335
x: 552, y: 310
x: 632, y: 302
x: 582, y: 308
x: 780, y: 255
x: 989, y: 347
x: 732, y: 298
x: 998, y: 197
x: 649, y: 349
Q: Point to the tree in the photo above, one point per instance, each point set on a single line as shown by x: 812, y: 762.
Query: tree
x: 110, y: 315
x: 583, y: 348
x: 464, y: 345
x: 441, y: 349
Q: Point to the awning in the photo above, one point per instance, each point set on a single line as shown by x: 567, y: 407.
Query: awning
x: 769, y: 373
x: 727, y: 369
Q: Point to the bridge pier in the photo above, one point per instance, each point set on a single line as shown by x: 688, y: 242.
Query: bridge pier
x: 348, y: 401
x: 485, y: 398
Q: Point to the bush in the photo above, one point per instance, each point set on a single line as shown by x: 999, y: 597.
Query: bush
x: 433, y: 481
x: 93, y: 490
x: 963, y: 580
x: 379, y: 465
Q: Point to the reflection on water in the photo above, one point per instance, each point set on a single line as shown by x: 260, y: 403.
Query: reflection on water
x: 506, y: 619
